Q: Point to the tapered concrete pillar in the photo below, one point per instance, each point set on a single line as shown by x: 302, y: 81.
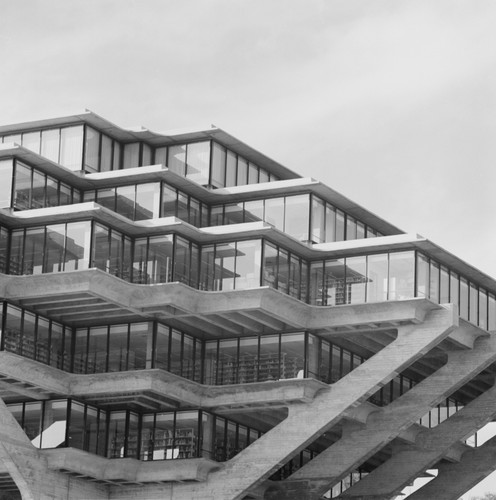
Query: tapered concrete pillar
x: 347, y: 454
x: 305, y: 422
x: 393, y: 475
x: 29, y: 469
x: 455, y: 479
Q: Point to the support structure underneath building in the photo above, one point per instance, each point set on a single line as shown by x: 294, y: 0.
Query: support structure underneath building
x: 183, y: 318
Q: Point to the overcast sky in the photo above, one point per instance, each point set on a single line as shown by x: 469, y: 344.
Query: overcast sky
x: 391, y: 102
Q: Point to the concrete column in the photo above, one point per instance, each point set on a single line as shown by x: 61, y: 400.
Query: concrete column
x: 383, y: 426
x: 393, y: 475
x: 305, y: 422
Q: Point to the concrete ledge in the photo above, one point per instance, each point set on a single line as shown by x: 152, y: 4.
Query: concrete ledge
x: 128, y: 470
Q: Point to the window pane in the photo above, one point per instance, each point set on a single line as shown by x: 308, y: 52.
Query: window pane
x: 32, y: 141
x: 55, y: 245
x: 270, y: 265
x: 52, y: 193
x: 248, y: 262
x: 422, y: 275
x: 22, y: 187
x: 33, y: 251
x: 161, y: 155
x: 491, y: 326
x: 482, y: 309
x: 377, y: 274
x: 283, y: 271
x: 463, y: 298
x: 316, y: 283
x: 91, y: 150
x: 434, y: 282
x: 138, y: 338
x: 16, y: 251
x: 159, y: 266
x: 71, y: 147
x: 182, y: 261
x: 225, y: 265
x: 252, y: 173
x: 351, y: 228
x: 50, y: 140
x: 218, y: 165
x: 254, y: 211
x: 169, y: 196
x: 131, y: 155
x: 444, y: 286
x: 274, y: 212
x: 242, y: 176
x: 401, y: 275
x: 198, y: 158
x: 97, y: 350
x: 177, y: 160
x: 77, y: 251
x: 339, y: 225
x: 106, y: 198
x: 125, y: 201
x: 330, y: 223
x: 292, y: 355
x: 6, y: 175
x: 334, y: 282
x: 297, y: 216
x: 106, y: 154
x: 231, y: 169
x: 356, y: 279
x: 118, y: 348
x: 101, y: 248
x: 162, y: 347
x: 454, y: 288
x: 207, y: 268
x: 294, y: 277
x: 38, y: 193
x: 147, y: 201
x: 146, y: 154
x: 474, y: 299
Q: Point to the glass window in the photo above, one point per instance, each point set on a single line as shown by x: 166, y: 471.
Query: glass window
x: 116, y: 253
x: 463, y: 298
x: 422, y: 275
x: 283, y: 271
x: 295, y: 287
x: 248, y: 263
x: 6, y: 178
x: 22, y: 187
x: 356, y: 279
x: 454, y: 288
x: 125, y: 201
x: 330, y: 223
x: 254, y: 210
x: 177, y: 160
x: 292, y: 355
x: 316, y: 290
x: 16, y: 251
x: 54, y: 419
x: 38, y: 190
x: 231, y: 169
x: 474, y: 299
x: 12, y: 333
x: 210, y: 362
x: 225, y: 255
x: 182, y: 207
x: 54, y: 248
x: 218, y: 166
x: 91, y: 150
x: 360, y: 230
x: 351, y: 228
x: 483, y: 309
x: 182, y: 261
x: 339, y: 225
x: 207, y: 268
x: 334, y: 282
x: 147, y: 201
x: 117, y: 434
x: 491, y: 325
x: 297, y: 216
x: 274, y: 212
x: 270, y: 265
x: 169, y: 196
x: 233, y: 213
x: 81, y: 350
x: 198, y: 162
x: 434, y: 282
x: 50, y: 142
x: 106, y: 154
x: 118, y: 348
x: 131, y: 157
x: 33, y: 251
x: 161, y: 155
x: 444, y: 286
x: 401, y: 275
x: 71, y: 147
x: 77, y: 252
x: 263, y: 176
x: 101, y: 248
x: 377, y: 274
x: 146, y: 154
x: 252, y: 173
x: 65, y: 194
x: 248, y: 359
x: 138, y: 338
x: 162, y: 347
x: 97, y: 350
x: 52, y: 193
x: 32, y: 141
x: 269, y: 361
x: 106, y: 198
x: 159, y: 262
x: 242, y: 175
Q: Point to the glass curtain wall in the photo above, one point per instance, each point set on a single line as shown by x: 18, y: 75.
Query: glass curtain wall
x: 62, y: 145
x: 127, y: 434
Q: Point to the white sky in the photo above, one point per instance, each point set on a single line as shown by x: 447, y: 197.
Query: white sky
x: 391, y: 102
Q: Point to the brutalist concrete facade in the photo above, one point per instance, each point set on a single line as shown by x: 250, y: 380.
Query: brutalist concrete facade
x: 184, y: 318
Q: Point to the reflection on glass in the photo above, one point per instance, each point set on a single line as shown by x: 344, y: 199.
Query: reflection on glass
x: 198, y: 162
x: 6, y: 173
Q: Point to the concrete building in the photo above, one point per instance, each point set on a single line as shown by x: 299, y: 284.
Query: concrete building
x: 184, y: 318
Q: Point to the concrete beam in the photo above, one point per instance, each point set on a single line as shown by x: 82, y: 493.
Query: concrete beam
x: 128, y: 469
x: 383, y: 426
x: 455, y: 479
x: 254, y: 464
x: 432, y: 445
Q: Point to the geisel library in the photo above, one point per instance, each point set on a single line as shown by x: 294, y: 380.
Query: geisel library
x: 184, y: 318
